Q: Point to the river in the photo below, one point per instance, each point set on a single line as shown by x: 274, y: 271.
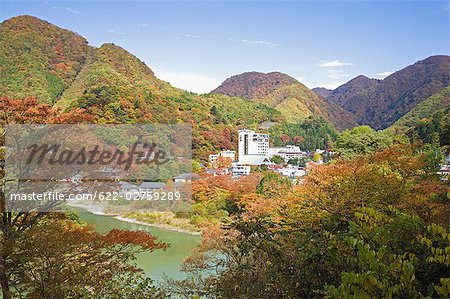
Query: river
x: 158, y: 263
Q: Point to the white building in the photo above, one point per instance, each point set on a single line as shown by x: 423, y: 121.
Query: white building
x: 253, y: 147
x: 237, y: 170
x: 292, y: 171
x: 288, y: 152
x: 226, y: 154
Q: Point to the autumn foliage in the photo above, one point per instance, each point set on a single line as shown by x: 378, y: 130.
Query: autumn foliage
x: 29, y: 111
x: 367, y: 226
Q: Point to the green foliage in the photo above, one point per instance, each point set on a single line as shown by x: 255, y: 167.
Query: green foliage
x: 273, y: 184
x: 298, y: 162
x: 434, y: 130
x: 393, y: 259
x: 232, y: 110
x: 212, y: 210
x: 277, y: 160
x: 440, y: 101
x: 315, y: 131
x: 195, y: 166
x: 367, y: 227
x: 316, y: 157
x: 364, y: 140
x: 38, y: 59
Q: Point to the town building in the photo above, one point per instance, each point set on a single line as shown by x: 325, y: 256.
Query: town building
x: 225, y: 153
x: 128, y: 189
x: 287, y: 152
x: 292, y: 171
x: 253, y: 148
x: 238, y: 170
x: 151, y: 186
x: 185, y: 177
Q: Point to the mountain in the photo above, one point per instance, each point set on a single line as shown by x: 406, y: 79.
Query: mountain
x: 356, y: 87
x: 253, y: 85
x: 322, y: 92
x: 379, y: 103
x: 440, y: 101
x: 59, y: 68
x: 293, y: 99
x: 43, y: 55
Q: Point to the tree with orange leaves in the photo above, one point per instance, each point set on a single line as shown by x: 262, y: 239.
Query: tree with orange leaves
x: 25, y: 111
x: 374, y: 225
x: 48, y: 255
x: 395, y: 176
x: 223, y: 162
x: 60, y: 258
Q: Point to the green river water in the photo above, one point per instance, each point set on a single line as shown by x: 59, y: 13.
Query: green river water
x: 158, y: 263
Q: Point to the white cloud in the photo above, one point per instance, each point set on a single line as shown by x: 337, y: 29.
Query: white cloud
x: 259, y: 42
x: 334, y: 63
x: 143, y: 25
x: 72, y: 10
x: 191, y: 82
x: 116, y: 32
x: 384, y: 74
x: 191, y: 35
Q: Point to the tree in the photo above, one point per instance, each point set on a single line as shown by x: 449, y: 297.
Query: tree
x: 364, y: 140
x: 60, y: 258
x: 317, y: 157
x: 24, y: 111
x: 285, y: 138
x: 298, y: 140
x: 297, y: 162
x: 315, y: 131
x: 277, y: 160
x: 273, y: 185
x: 397, y: 256
x: 358, y: 226
x: 293, y: 161
x: 196, y: 167
x: 223, y: 162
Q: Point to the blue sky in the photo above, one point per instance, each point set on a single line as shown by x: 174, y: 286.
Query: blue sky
x: 196, y: 45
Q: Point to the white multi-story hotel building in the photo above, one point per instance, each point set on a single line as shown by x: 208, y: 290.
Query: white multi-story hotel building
x: 288, y: 152
x: 253, y: 147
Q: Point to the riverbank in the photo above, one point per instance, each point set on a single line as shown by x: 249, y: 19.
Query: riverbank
x: 100, y: 209
x: 158, y: 225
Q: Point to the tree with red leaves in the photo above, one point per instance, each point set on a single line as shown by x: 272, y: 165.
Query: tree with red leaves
x: 49, y: 255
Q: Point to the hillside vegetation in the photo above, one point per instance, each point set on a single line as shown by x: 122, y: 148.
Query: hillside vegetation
x: 58, y: 67
x: 39, y: 59
x: 437, y: 102
x: 294, y: 100
x: 380, y: 103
